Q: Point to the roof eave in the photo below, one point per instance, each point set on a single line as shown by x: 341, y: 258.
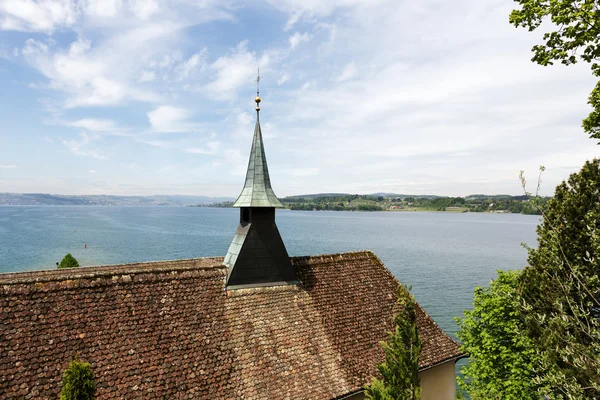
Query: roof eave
x: 454, y: 358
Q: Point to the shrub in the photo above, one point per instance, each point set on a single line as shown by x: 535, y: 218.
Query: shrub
x: 69, y: 262
x: 78, y: 381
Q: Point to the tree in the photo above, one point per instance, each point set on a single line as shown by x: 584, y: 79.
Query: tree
x: 576, y: 38
x: 69, y: 262
x: 400, y: 370
x: 501, y: 356
x: 78, y: 381
x: 560, y: 289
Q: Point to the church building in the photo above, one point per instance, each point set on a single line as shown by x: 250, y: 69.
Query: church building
x: 255, y: 324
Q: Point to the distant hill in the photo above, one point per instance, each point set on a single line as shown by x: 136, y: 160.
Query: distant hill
x: 30, y: 199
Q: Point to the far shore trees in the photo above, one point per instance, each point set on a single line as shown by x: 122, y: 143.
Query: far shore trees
x: 68, y: 262
x: 400, y: 370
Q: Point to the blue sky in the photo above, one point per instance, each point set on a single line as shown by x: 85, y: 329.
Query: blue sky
x: 139, y: 97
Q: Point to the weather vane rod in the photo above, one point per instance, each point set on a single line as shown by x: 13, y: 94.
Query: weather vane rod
x: 258, y: 82
x: 257, y: 99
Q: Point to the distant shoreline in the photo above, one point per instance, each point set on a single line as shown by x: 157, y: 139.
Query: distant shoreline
x: 318, y: 202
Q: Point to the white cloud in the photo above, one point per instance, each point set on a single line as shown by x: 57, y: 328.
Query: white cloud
x: 301, y: 172
x: 103, y: 8
x: 191, y: 65
x: 169, y: 119
x: 103, y: 73
x: 163, y: 144
x: 209, y: 148
x: 298, y: 38
x: 308, y: 85
x: 32, y: 46
x: 8, y: 166
x: 79, y: 47
x: 96, y: 125
x: 235, y: 70
x: 144, y: 9
x: 133, y: 167
x: 92, y: 171
x: 83, y: 147
x: 236, y: 161
x: 348, y: 72
x: 168, y: 60
x: 244, y: 119
x: 311, y: 10
x: 37, y: 16
x: 283, y: 79
x: 147, y: 76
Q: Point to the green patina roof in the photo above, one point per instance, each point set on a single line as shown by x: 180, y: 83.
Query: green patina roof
x: 257, y: 190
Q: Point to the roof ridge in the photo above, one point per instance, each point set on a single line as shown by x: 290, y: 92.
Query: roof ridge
x: 322, y: 257
x: 87, y: 272
x: 47, y: 275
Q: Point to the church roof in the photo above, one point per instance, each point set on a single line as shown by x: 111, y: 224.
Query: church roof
x: 257, y: 190
x: 170, y: 329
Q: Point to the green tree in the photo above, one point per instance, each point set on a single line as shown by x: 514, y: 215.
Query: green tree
x: 576, y: 37
x: 501, y: 356
x: 560, y: 289
x: 78, y: 381
x: 400, y: 370
x: 68, y: 262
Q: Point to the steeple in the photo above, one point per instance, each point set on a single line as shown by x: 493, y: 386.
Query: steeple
x: 257, y: 255
x: 257, y: 190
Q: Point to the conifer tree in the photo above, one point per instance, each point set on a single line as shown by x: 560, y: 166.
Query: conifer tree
x: 400, y: 370
x: 560, y: 289
x: 78, y: 381
x: 69, y: 262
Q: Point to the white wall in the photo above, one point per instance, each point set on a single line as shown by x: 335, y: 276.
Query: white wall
x: 438, y: 383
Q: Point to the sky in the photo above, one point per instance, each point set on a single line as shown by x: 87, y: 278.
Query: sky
x: 142, y: 97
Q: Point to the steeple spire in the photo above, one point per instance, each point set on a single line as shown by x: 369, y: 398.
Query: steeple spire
x: 257, y: 254
x: 257, y: 191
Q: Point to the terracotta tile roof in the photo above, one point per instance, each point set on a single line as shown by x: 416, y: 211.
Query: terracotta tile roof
x: 170, y: 330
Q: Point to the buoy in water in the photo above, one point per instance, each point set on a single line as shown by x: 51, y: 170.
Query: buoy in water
x: 85, y: 246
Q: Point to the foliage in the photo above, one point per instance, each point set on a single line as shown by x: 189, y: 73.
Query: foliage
x: 476, y: 203
x: 78, y: 381
x: 576, y: 38
x: 69, y: 262
x: 501, y: 357
x: 561, y: 289
x: 400, y: 370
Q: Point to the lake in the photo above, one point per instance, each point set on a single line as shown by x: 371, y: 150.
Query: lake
x: 444, y: 256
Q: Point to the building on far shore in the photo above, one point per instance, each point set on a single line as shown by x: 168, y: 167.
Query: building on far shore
x: 256, y: 324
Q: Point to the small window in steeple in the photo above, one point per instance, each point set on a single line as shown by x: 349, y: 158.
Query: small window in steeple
x: 245, y: 215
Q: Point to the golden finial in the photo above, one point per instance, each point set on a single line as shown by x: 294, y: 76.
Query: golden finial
x: 257, y: 98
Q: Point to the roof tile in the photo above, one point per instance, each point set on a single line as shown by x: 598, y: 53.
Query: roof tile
x: 170, y: 329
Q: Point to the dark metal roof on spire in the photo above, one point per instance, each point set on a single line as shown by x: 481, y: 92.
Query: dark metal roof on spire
x: 257, y: 190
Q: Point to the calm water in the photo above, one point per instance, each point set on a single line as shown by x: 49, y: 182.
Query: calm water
x: 444, y: 256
